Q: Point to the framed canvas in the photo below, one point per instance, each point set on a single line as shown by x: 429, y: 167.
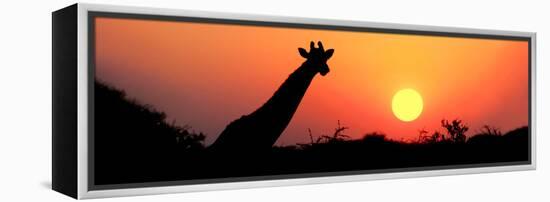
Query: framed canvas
x: 150, y: 100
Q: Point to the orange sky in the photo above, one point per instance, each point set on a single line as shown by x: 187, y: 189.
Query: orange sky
x: 206, y: 75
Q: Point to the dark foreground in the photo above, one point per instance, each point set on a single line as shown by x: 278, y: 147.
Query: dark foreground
x: 133, y: 143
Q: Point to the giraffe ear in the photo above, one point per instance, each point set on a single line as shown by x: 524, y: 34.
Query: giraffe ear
x: 303, y: 52
x: 329, y: 53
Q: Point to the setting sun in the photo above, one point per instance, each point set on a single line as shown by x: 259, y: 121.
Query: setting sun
x: 407, y: 105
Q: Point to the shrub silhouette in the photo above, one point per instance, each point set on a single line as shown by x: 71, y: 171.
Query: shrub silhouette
x: 489, y: 130
x: 186, y: 140
x: 455, y: 129
x: 337, y: 136
x: 456, y: 133
x: 374, y: 138
x: 435, y: 138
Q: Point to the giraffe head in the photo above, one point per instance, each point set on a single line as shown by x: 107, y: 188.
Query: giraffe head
x: 317, y: 57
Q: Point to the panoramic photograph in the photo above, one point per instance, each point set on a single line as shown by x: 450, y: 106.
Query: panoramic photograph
x: 197, y: 101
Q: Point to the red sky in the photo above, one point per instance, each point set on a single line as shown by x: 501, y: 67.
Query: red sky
x: 206, y: 75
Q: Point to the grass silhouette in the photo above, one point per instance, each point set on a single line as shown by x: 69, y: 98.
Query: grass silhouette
x: 135, y: 143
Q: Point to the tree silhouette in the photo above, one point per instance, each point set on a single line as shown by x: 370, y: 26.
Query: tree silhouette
x: 455, y: 129
x: 337, y: 136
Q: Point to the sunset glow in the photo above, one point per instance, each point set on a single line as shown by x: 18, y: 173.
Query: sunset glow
x: 207, y: 75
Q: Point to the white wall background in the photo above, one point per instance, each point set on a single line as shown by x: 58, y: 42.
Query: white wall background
x: 25, y: 104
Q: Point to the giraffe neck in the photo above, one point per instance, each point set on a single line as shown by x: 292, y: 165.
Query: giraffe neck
x: 262, y: 128
x: 285, y: 100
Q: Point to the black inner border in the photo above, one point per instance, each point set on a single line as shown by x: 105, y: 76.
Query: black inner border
x: 92, y: 15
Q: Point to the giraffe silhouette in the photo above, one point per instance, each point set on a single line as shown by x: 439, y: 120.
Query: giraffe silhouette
x: 259, y: 130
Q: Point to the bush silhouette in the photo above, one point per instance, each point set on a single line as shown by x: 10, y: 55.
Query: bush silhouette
x: 374, y: 138
x: 455, y: 129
